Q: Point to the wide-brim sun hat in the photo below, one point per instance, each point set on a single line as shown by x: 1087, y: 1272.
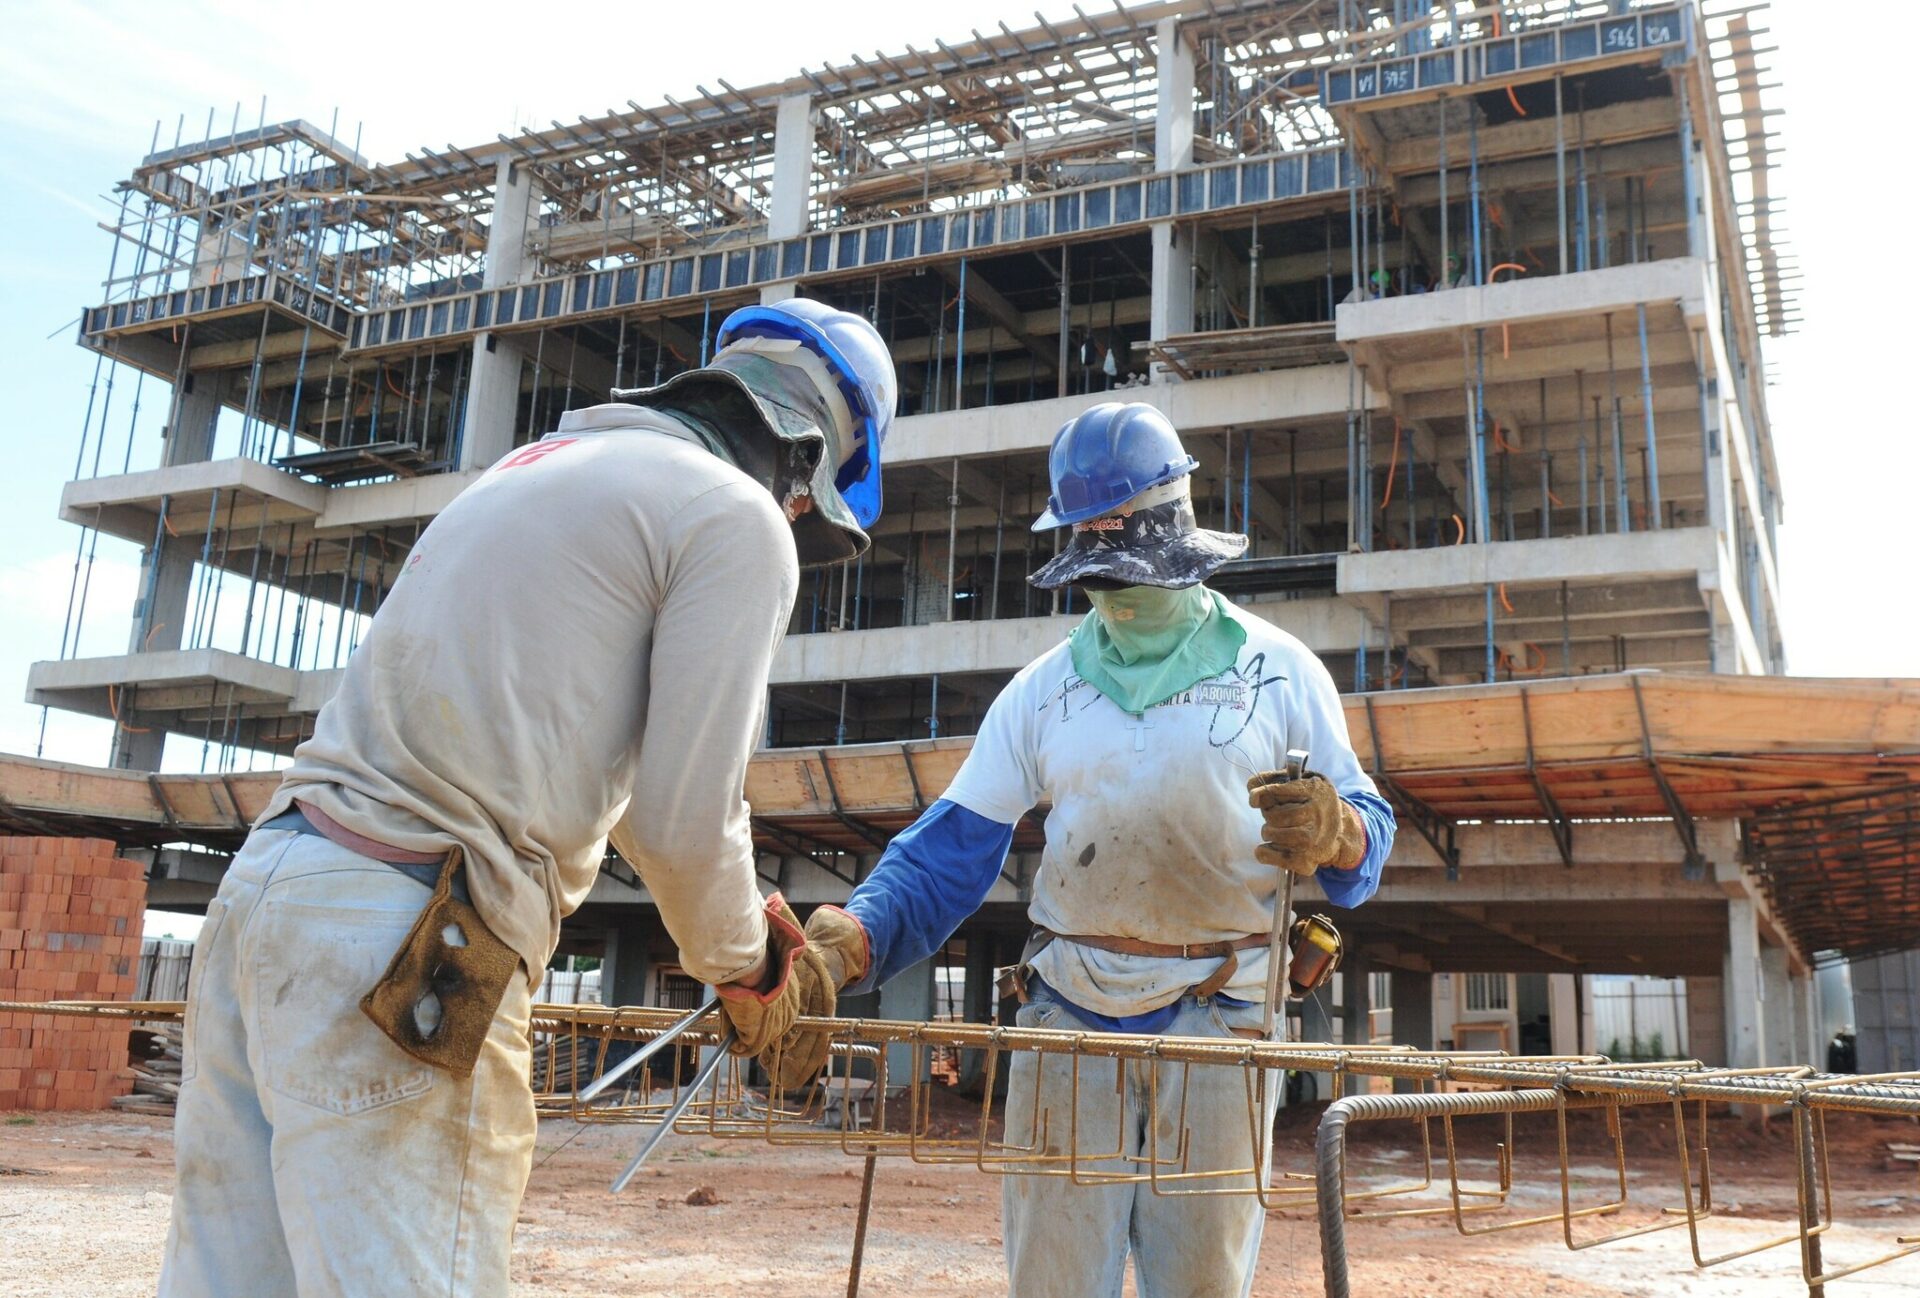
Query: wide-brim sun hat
x: 1152, y: 540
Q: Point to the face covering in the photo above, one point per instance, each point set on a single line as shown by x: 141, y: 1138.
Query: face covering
x: 1142, y: 645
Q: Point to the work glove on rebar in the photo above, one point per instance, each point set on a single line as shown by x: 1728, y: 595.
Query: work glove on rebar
x: 803, y: 978
x: 1305, y: 824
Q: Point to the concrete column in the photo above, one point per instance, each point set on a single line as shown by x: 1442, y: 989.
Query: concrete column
x: 1171, y: 308
x: 1564, y: 1012
x: 493, y: 381
x: 1412, y: 1016
x: 1356, y: 1000
x: 792, y: 167
x: 1706, y: 1021
x: 1315, y: 1023
x: 167, y: 564
x: 1171, y: 311
x: 623, y: 964
x: 908, y: 995
x: 1743, y: 987
x: 982, y: 956
x: 1356, y: 1004
x: 1412, y: 1009
x: 1173, y: 113
x: 1806, y: 1021
x: 1776, y: 999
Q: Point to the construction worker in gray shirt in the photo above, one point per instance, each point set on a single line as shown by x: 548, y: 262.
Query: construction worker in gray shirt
x: 576, y: 651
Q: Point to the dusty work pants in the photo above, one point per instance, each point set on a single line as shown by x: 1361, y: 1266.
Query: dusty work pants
x: 314, y: 1156
x: 1071, y: 1241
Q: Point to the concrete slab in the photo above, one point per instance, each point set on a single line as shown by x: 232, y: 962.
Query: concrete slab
x: 127, y: 505
x: 1615, y: 557
x: 1324, y: 625
x: 1520, y: 301
x: 83, y: 684
x: 1317, y: 392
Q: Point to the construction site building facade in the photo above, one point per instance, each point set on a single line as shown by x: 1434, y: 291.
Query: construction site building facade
x: 1459, y: 307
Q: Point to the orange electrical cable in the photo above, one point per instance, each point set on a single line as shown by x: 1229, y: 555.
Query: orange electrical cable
x: 113, y: 706
x: 1515, y: 102
x: 167, y: 523
x: 1555, y: 499
x: 1502, y: 442
x: 148, y: 642
x: 394, y: 387
x: 1505, y: 265
x: 1393, y: 463
x: 1459, y: 530
x: 1504, y: 601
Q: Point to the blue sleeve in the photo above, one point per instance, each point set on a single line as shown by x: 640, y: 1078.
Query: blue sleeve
x: 934, y: 874
x: 1348, y: 888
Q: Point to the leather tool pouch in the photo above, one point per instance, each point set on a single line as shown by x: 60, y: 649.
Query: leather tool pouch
x: 441, y: 991
x: 1011, y: 980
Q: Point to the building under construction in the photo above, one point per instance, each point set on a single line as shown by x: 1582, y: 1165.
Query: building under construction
x: 1460, y: 307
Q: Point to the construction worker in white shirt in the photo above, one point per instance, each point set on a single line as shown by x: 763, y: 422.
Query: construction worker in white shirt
x: 1156, y: 732
x: 576, y: 650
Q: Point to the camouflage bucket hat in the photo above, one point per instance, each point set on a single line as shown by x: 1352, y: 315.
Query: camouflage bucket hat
x: 786, y: 404
x: 1152, y: 540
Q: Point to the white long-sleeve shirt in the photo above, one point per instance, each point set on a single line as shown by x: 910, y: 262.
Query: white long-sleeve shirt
x: 578, y: 648
x: 1151, y: 834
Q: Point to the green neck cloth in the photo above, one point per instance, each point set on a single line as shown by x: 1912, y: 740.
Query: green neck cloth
x: 1142, y: 645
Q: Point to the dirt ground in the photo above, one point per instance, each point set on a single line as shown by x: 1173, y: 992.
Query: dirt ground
x: 84, y: 1200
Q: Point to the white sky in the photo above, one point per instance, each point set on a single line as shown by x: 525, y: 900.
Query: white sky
x: 82, y: 84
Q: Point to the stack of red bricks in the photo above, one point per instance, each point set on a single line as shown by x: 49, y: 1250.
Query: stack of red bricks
x: 70, y: 921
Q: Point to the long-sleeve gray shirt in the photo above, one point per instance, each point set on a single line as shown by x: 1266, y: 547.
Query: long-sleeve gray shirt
x: 578, y: 648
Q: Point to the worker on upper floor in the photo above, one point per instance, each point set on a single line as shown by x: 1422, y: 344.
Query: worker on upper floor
x: 1154, y: 731
x: 577, y: 649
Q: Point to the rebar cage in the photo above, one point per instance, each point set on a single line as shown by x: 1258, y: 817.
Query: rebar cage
x: 875, y: 1099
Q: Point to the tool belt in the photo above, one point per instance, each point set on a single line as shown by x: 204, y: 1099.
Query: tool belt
x: 1013, y: 978
x: 439, y: 995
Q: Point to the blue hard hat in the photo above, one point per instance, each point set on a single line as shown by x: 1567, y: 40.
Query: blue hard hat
x: 854, y: 351
x: 1105, y: 456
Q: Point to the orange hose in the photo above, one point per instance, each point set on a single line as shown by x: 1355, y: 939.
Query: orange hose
x: 1502, y: 442
x: 1506, y: 345
x: 1505, y: 265
x: 1459, y: 530
x: 1515, y: 102
x: 1392, y: 464
x: 1504, y: 601
x: 148, y: 642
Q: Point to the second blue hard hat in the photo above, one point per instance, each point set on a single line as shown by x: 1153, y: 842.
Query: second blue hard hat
x: 1105, y: 456
x: 1121, y: 481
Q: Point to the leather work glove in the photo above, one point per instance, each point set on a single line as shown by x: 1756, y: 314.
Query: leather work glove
x: 804, y: 977
x: 1307, y: 824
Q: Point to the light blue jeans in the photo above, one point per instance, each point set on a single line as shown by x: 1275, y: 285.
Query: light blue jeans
x: 1071, y: 1241
x: 314, y: 1156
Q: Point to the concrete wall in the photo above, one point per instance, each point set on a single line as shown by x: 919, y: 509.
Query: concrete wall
x: 1886, y: 1007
